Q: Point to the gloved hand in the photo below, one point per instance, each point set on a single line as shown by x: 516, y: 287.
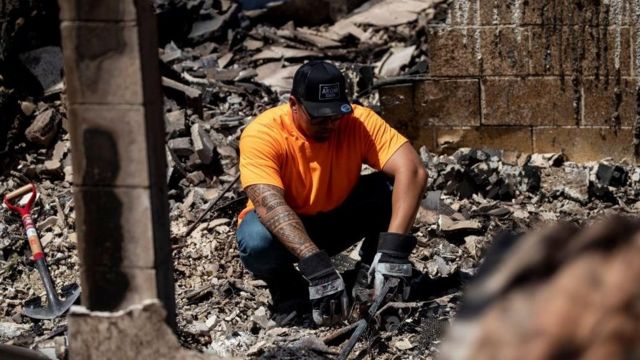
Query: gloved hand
x: 329, y: 300
x: 392, y: 260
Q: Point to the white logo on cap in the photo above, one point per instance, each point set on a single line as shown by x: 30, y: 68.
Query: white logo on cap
x: 345, y: 108
x: 329, y: 91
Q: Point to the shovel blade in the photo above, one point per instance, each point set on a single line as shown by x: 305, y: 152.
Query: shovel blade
x: 53, y: 309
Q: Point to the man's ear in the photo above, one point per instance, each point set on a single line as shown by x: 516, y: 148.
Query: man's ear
x: 293, y: 104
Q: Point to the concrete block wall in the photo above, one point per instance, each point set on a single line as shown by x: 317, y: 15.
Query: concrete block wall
x: 117, y: 135
x: 528, y: 75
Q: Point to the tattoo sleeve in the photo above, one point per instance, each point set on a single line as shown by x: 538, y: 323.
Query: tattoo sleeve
x: 280, y: 219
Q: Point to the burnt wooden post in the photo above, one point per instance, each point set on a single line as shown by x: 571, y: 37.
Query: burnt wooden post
x: 117, y: 136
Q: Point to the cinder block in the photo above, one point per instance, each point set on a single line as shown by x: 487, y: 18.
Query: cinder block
x: 570, y: 12
x: 463, y: 13
x: 505, y: 50
x: 113, y: 139
x: 453, y: 51
x: 138, y: 332
x: 102, y: 63
x: 396, y: 102
x: 635, y: 57
x: 500, y: 12
x: 515, y: 138
x: 547, y: 12
x: 550, y: 52
x: 591, y: 50
x: 115, y: 227
x: 601, y: 101
x: 426, y: 137
x: 527, y: 101
x: 585, y: 144
x: 601, y: 56
x: 553, y: 12
x: 113, y: 289
x: 397, y: 107
x: 448, y: 102
x: 99, y: 10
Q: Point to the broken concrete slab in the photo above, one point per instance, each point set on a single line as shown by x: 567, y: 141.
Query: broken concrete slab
x: 188, y: 95
x: 611, y: 175
x: 9, y: 330
x: 396, y: 59
x: 205, y: 29
x: 171, y: 53
x: 202, y: 144
x: 448, y: 225
x: 389, y: 12
x: 315, y: 38
x: 275, y: 76
x: 572, y: 182
x: 196, y: 177
x: 546, y: 160
x: 45, y: 64
x: 138, y: 332
x: 251, y: 44
x: 181, y: 146
x: 175, y: 121
x: 279, y: 52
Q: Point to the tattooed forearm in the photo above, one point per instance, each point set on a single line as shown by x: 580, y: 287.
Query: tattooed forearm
x: 280, y: 219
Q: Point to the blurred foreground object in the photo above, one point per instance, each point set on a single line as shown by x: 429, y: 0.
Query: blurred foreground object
x: 558, y: 293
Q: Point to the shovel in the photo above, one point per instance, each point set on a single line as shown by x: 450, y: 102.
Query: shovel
x: 56, y: 306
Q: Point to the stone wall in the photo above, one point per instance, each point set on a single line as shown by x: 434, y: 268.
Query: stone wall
x: 528, y: 75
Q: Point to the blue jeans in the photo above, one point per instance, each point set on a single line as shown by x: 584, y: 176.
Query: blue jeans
x: 364, y: 214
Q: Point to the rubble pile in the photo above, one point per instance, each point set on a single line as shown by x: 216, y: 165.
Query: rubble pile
x: 251, y: 68
x: 224, y: 310
x: 545, y: 292
x: 221, y: 66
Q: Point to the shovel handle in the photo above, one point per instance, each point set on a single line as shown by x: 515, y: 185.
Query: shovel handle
x: 32, y: 237
x: 27, y: 221
x: 22, y: 210
x: 18, y: 192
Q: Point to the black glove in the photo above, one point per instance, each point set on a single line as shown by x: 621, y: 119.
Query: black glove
x: 329, y: 301
x: 392, y: 260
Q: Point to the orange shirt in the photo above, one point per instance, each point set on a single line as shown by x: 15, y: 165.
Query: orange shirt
x: 315, y: 176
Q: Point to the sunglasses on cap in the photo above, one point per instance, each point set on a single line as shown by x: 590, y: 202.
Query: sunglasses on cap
x: 321, y: 120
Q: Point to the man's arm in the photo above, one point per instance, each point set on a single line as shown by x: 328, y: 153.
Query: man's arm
x: 410, y: 179
x: 280, y: 219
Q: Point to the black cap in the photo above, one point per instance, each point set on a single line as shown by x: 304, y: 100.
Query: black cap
x: 322, y: 89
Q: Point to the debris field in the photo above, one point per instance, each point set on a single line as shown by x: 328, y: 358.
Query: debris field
x: 232, y: 65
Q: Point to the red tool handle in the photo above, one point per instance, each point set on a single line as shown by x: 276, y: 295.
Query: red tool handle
x: 22, y: 210
x: 27, y: 221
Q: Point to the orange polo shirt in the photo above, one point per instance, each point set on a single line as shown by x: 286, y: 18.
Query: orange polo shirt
x: 315, y: 176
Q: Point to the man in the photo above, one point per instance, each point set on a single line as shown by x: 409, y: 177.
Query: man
x: 300, y: 166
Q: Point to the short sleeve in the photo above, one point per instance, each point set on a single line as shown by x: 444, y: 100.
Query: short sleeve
x: 260, y: 158
x: 383, y: 140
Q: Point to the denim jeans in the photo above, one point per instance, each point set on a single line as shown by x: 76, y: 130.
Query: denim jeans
x: 364, y: 214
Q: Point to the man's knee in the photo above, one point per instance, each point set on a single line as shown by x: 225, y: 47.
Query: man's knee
x: 260, y: 252
x: 253, y: 237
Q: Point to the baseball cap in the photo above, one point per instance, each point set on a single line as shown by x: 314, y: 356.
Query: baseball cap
x: 322, y: 89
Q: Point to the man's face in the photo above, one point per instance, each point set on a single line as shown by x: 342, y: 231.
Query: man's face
x: 318, y: 129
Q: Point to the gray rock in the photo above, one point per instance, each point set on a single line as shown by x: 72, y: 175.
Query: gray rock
x: 196, y: 178
x: 181, y: 146
x: 174, y: 121
x: 10, y: 330
x: 44, y: 128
